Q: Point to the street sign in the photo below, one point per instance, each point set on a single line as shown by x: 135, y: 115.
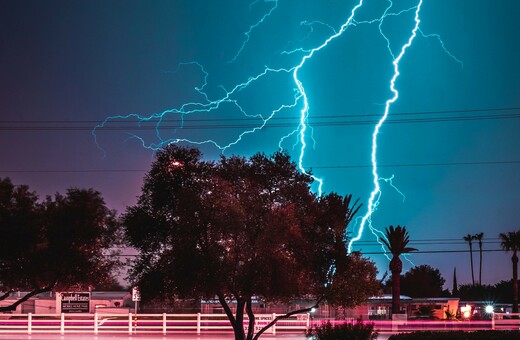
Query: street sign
x: 136, y: 294
x: 75, y: 302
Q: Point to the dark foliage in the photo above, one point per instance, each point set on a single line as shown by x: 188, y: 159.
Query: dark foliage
x: 421, y: 281
x: 469, y: 292
x: 241, y: 228
x: 457, y: 335
x: 60, y: 243
x: 347, y: 331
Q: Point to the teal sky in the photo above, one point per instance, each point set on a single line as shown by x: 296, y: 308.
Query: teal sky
x: 451, y: 140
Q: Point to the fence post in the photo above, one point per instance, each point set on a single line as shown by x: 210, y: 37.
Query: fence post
x: 198, y: 323
x: 96, y: 323
x: 274, y: 325
x: 164, y: 324
x: 130, y: 323
x: 308, y: 324
x: 62, y: 324
x: 29, y: 323
x: 493, y: 321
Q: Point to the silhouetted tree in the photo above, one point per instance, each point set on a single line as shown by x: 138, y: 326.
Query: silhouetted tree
x: 396, y: 240
x: 455, y: 288
x: 469, y: 238
x: 421, y: 281
x: 242, y: 228
x: 469, y: 292
x: 504, y: 291
x: 479, y: 238
x: 511, y: 242
x: 60, y: 243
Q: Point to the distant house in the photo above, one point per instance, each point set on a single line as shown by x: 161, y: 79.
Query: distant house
x: 379, y: 308
x: 376, y: 308
x: 51, y: 303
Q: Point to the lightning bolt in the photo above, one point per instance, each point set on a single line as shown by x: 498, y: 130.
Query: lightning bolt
x: 252, y: 27
x: 373, y: 200
x: 300, y: 101
x: 304, y: 113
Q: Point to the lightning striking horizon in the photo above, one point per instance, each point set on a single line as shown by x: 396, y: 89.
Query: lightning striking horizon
x: 299, y: 101
x: 373, y: 200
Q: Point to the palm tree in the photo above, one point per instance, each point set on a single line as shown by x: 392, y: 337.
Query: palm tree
x: 396, y: 240
x: 511, y: 242
x: 479, y: 238
x: 468, y: 238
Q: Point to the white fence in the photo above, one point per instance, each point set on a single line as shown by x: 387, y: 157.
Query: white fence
x: 506, y: 321
x: 140, y: 323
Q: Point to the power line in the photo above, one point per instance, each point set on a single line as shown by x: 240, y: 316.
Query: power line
x: 75, y: 171
x: 313, y: 167
x: 346, y: 120
x: 433, y: 252
x: 370, y: 244
x: 274, y: 118
x: 372, y: 252
x: 416, y: 164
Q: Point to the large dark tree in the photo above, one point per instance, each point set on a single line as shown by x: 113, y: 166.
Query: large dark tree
x: 469, y: 292
x: 396, y: 240
x: 61, y: 243
x: 242, y: 228
x: 421, y: 281
x: 511, y: 242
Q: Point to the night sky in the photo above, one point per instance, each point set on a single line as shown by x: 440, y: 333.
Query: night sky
x: 451, y: 139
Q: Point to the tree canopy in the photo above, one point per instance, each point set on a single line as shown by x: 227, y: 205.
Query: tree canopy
x: 241, y: 228
x: 62, y: 242
x: 421, y: 281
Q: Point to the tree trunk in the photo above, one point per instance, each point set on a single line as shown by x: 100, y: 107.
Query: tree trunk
x: 238, y: 327
x: 396, y: 266
x: 236, y: 321
x: 471, y: 262
x: 251, y: 316
x: 480, y: 269
x: 514, y: 259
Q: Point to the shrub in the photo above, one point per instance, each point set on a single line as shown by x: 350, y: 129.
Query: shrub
x: 457, y: 335
x: 346, y: 331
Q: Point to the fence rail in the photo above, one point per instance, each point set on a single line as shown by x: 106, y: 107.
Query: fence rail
x: 140, y: 323
x: 100, y: 323
x: 506, y: 321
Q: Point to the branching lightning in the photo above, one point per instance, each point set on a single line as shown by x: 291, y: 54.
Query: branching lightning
x: 373, y: 200
x: 300, y: 100
x: 252, y: 27
x: 375, y: 195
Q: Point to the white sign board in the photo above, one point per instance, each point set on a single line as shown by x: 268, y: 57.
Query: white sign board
x: 263, y: 320
x: 136, y: 295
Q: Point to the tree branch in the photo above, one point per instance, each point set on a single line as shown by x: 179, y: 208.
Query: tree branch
x: 285, y: 316
x: 228, y: 311
x: 6, y: 295
x: 13, y: 306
